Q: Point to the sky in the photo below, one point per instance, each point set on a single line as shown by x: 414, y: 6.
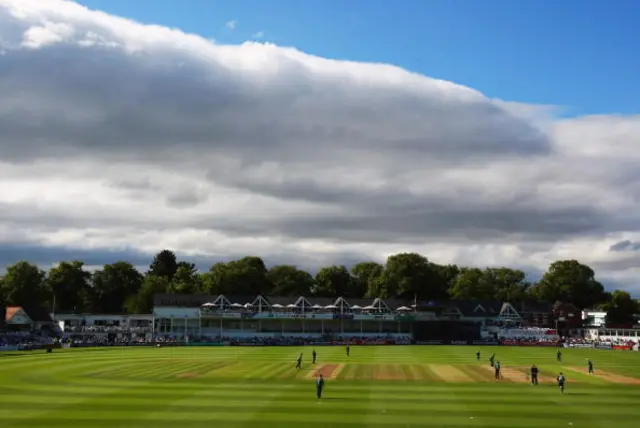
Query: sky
x: 576, y: 54
x: 493, y: 133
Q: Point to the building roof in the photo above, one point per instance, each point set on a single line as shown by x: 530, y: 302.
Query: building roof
x: 468, y: 308
x: 533, y: 307
x: 11, y: 311
x: 474, y: 308
x: 35, y: 313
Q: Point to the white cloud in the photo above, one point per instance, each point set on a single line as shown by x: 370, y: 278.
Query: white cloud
x: 145, y: 137
x: 258, y: 35
x: 231, y: 25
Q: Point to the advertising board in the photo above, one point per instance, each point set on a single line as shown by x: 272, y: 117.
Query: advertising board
x: 486, y: 342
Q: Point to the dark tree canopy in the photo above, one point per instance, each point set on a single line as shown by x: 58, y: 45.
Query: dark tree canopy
x: 335, y: 281
x: 570, y: 281
x: 114, y: 284
x: 69, y: 282
x: 621, y: 308
x: 165, y: 263
x: 24, y: 283
x: 288, y: 280
x: 119, y: 287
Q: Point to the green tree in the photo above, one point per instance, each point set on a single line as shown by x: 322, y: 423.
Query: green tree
x: 142, y: 301
x: 334, y: 281
x: 186, y: 280
x: 114, y: 284
x: 569, y: 281
x: 621, y: 308
x: 247, y: 276
x: 504, y: 284
x: 472, y: 284
x: 216, y: 280
x: 25, y: 284
x: 445, y: 274
x: 165, y: 263
x: 68, y: 282
x: 367, y: 277
x: 509, y: 285
x: 410, y: 274
x: 288, y: 280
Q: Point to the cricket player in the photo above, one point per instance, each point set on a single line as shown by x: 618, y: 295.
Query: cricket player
x: 561, y: 381
x: 534, y: 374
x: 492, y: 359
x: 497, y: 369
x: 590, y: 366
x: 478, y: 355
x: 348, y: 349
x: 319, y: 386
x: 299, y: 363
x: 313, y: 355
x: 559, y: 356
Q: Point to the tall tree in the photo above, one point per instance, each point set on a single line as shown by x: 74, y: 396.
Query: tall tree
x: 288, y: 280
x: 251, y: 273
x: 68, y: 282
x: 332, y: 281
x: 165, y: 263
x: 509, y: 285
x: 472, y: 284
x: 569, y: 281
x: 245, y: 276
x: 366, y: 276
x: 25, y: 284
x: 621, y: 308
x: 445, y: 274
x: 114, y: 284
x: 186, y: 280
x: 502, y: 284
x: 410, y: 274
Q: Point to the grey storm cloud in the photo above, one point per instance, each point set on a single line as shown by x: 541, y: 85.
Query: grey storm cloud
x: 625, y: 245
x: 150, y: 136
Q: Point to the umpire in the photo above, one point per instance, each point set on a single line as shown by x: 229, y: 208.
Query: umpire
x: 534, y: 375
x: 319, y: 386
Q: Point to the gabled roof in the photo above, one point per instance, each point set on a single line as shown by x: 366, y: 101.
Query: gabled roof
x: 239, y: 298
x: 321, y: 301
x: 469, y: 308
x: 35, y: 313
x: 396, y: 303
x: 509, y: 312
x: 11, y: 311
x: 302, y: 302
x: 260, y: 301
x: 360, y: 301
x: 279, y: 300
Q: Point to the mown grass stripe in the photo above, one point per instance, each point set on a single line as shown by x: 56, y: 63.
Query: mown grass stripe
x: 249, y: 387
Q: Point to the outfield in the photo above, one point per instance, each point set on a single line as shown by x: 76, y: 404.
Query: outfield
x: 401, y: 386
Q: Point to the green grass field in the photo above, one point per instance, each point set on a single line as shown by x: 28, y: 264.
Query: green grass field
x: 409, y: 386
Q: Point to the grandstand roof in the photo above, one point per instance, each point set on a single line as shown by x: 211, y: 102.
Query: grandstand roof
x: 477, y: 308
x: 467, y: 308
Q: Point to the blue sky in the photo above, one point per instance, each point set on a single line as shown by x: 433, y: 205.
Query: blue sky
x: 582, y: 55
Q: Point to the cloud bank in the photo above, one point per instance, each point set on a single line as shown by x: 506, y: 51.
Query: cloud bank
x: 118, y: 136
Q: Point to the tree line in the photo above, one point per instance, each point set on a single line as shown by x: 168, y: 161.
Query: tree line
x: 120, y: 288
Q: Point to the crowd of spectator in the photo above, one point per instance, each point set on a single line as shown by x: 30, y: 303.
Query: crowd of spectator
x: 105, y: 329
x: 23, y: 338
